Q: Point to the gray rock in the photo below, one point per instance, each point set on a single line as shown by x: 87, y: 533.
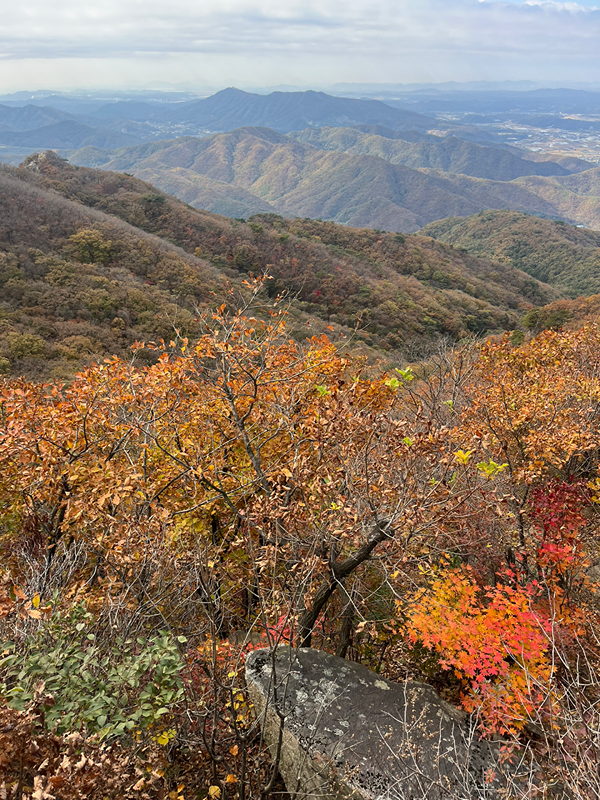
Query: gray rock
x: 345, y: 732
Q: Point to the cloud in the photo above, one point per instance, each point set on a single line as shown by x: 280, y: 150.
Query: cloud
x: 553, y: 5
x: 375, y: 39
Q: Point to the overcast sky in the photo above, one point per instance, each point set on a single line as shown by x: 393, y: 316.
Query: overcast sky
x: 216, y: 43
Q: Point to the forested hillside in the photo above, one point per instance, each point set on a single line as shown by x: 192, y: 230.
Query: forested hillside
x: 296, y: 178
x: 562, y: 255
x: 78, y: 284
x: 93, y: 260
x: 447, y: 155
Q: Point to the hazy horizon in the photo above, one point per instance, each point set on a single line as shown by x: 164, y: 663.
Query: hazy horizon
x: 353, y: 88
x: 308, y: 44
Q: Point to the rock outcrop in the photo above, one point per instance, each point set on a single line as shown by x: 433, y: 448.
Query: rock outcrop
x: 342, y: 731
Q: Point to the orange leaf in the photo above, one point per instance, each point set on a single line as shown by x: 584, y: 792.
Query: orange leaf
x: 18, y: 593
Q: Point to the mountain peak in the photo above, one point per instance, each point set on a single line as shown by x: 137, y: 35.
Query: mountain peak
x: 45, y: 163
x: 232, y: 91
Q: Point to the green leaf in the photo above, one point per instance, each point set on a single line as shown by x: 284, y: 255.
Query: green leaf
x: 406, y: 374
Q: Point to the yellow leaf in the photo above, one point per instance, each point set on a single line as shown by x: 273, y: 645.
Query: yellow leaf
x: 214, y: 791
x: 163, y: 738
x: 36, y: 600
x: 463, y: 456
x: 231, y: 779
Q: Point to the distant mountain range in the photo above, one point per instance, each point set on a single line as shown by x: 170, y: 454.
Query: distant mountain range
x: 399, y: 108
x: 292, y: 111
x: 64, y: 135
x: 30, y: 117
x: 134, y: 121
x: 293, y: 177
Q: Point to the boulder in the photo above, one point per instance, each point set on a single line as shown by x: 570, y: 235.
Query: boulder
x: 342, y: 731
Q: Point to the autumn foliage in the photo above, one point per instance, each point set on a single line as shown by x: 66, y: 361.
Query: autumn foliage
x: 437, y: 521
x: 494, y: 641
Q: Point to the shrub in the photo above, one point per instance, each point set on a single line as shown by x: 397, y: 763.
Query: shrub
x: 95, y: 689
x: 25, y: 345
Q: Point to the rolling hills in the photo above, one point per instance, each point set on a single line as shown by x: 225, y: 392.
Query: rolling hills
x: 571, y: 164
x: 29, y: 117
x: 565, y: 256
x: 65, y: 134
x: 92, y: 260
x: 296, y: 178
x: 449, y: 154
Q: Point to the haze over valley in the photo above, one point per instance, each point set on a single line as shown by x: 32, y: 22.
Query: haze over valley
x: 362, y: 162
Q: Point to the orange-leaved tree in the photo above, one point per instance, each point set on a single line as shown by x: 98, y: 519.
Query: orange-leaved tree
x: 512, y: 601
x: 240, y: 487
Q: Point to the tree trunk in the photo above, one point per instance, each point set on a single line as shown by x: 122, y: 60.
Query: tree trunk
x: 339, y: 571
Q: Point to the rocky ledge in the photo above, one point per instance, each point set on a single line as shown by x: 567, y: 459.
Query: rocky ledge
x: 339, y: 730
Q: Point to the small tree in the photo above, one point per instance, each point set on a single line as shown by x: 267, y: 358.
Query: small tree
x: 90, y: 247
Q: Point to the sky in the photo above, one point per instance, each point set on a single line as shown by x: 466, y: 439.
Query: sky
x: 70, y: 44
